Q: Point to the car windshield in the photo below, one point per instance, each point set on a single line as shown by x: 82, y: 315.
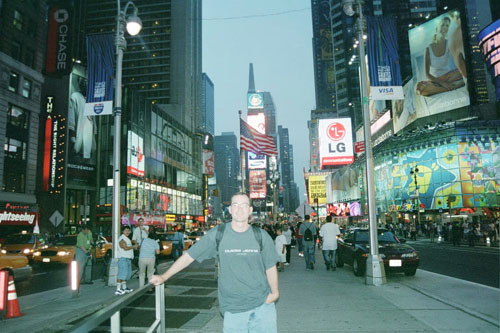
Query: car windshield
x: 20, y: 239
x: 168, y: 237
x: 68, y: 240
x: 197, y: 233
x: 363, y: 236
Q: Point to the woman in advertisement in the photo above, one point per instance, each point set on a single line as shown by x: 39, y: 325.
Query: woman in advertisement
x: 441, y: 77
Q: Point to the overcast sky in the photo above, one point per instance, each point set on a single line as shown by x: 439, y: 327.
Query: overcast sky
x: 276, y: 36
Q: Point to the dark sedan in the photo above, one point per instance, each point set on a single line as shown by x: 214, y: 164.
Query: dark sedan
x: 397, y: 257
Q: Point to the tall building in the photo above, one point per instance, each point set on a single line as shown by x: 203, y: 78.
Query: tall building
x: 22, y: 46
x: 161, y: 110
x: 208, y: 105
x: 227, y: 165
x: 286, y: 164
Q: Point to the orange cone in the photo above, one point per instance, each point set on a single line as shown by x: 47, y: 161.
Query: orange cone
x: 13, y: 310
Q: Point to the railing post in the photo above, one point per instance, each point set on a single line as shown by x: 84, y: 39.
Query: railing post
x: 160, y: 307
x: 115, y: 322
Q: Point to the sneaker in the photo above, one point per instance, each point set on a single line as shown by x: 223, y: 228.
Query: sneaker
x: 120, y: 292
x: 286, y: 264
x: 127, y: 290
x: 312, y: 266
x: 327, y: 267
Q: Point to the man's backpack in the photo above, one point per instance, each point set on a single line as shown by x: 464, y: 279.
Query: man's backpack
x: 308, y: 235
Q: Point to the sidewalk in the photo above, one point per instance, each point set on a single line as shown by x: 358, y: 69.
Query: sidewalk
x: 313, y: 301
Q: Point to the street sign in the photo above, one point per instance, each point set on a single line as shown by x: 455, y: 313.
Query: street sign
x: 56, y: 218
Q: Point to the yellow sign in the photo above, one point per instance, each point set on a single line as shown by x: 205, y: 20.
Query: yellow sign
x: 317, y: 189
x: 170, y: 217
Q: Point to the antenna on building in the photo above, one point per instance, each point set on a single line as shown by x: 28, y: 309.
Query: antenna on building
x: 251, y: 80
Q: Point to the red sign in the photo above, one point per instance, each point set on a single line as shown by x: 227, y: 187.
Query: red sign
x: 257, y: 182
x: 359, y: 147
x: 17, y: 218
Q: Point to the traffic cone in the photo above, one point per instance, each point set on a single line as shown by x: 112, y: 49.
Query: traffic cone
x: 13, y: 310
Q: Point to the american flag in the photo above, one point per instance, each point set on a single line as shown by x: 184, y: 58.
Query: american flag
x: 255, y: 142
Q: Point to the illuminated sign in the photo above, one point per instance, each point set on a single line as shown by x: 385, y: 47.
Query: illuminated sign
x: 255, y: 100
x: 58, y: 58
x: 257, y: 184
x: 256, y: 161
x: 53, y: 150
x: 335, y: 141
x: 317, y: 189
x: 489, y: 42
x: 257, y: 121
x: 135, y: 155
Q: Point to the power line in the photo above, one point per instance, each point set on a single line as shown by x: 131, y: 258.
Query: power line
x: 255, y: 16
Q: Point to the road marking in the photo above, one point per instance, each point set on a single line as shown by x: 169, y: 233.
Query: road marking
x: 40, y: 274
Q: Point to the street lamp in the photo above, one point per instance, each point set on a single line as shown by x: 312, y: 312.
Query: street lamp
x: 375, y: 273
x: 273, y: 181
x: 414, y: 173
x: 133, y: 25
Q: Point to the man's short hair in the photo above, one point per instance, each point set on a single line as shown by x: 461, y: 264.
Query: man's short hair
x: 140, y: 220
x: 85, y: 227
x: 125, y: 227
x: 242, y: 193
x: 328, y: 218
x: 307, y: 217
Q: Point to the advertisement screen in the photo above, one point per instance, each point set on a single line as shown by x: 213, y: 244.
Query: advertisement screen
x: 335, y: 142
x: 135, y: 155
x: 439, y: 72
x: 257, y: 121
x: 489, y: 43
x: 256, y: 161
x: 255, y: 100
x: 317, y: 189
x: 257, y: 182
x: 345, y: 209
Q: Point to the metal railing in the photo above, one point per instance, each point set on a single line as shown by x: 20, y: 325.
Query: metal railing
x: 112, y: 312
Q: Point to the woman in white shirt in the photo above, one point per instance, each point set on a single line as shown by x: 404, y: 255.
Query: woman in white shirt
x: 125, y: 256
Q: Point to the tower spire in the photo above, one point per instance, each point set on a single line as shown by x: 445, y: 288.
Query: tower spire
x: 251, y: 80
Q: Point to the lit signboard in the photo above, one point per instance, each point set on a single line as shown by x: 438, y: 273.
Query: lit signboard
x: 257, y: 121
x: 257, y: 182
x: 489, y: 43
x: 255, y: 100
x: 335, y: 141
x: 135, y: 155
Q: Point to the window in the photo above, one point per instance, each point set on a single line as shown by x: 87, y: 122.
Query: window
x: 18, y: 20
x: 14, y: 82
x: 29, y: 58
x: 15, y: 50
x: 15, y: 150
x: 17, y: 118
x: 26, y: 88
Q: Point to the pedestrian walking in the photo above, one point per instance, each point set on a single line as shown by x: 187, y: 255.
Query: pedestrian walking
x: 83, y: 255
x: 248, y: 279
x: 177, y: 243
x: 288, y: 236
x: 300, y: 240
x: 431, y: 231
x: 149, y: 248
x: 329, y: 232
x: 308, y: 230
x: 280, y: 244
x: 125, y: 256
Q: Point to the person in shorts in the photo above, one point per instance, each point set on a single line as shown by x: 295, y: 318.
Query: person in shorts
x: 125, y: 256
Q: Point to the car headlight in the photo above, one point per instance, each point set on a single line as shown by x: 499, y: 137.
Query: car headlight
x: 4, y: 251
x: 62, y: 253
x: 409, y: 255
x: 164, y: 247
x: 37, y: 253
x: 26, y: 251
x: 197, y: 238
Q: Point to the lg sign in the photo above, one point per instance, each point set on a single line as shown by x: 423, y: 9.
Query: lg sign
x: 335, y: 140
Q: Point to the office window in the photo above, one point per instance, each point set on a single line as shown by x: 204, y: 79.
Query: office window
x: 18, y: 20
x: 17, y: 119
x: 14, y: 82
x: 15, y: 150
x: 26, y: 88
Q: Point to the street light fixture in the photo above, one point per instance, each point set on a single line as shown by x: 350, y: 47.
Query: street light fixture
x: 134, y: 25
x: 375, y: 273
x: 414, y: 173
x: 273, y: 181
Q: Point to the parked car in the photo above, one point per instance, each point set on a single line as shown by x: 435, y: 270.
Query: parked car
x: 196, y: 235
x: 103, y: 248
x: 15, y: 264
x: 166, y: 242
x: 23, y: 243
x: 354, y: 248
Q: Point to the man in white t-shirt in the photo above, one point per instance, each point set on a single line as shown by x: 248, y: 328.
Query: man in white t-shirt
x: 329, y: 232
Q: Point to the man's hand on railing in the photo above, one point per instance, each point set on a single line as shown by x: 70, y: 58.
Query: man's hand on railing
x: 156, y: 280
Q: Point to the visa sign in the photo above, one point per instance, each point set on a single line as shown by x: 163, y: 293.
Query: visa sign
x: 386, y: 93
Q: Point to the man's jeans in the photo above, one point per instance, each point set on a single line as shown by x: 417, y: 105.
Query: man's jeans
x: 260, y: 319
x: 84, y: 265
x: 309, y: 253
x: 329, y: 256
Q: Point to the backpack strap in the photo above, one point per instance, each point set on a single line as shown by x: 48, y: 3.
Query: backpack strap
x: 258, y: 236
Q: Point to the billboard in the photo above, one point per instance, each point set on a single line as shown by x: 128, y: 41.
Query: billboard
x: 255, y: 100
x: 335, y: 142
x: 383, y: 59
x: 257, y: 121
x: 343, y: 185
x: 135, y: 155
x: 489, y: 43
x: 257, y: 184
x: 59, y: 37
x: 208, y: 162
x: 256, y: 161
x: 438, y: 66
x: 317, y: 189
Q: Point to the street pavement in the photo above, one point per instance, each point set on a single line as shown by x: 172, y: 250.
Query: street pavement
x: 310, y: 301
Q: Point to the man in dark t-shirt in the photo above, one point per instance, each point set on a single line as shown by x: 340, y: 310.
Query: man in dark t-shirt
x: 248, y: 279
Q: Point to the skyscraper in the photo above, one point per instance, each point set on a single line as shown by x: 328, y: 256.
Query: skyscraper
x: 227, y: 165
x: 208, y: 105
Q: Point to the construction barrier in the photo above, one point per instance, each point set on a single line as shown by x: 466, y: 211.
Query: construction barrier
x: 13, y: 310
x: 3, y: 293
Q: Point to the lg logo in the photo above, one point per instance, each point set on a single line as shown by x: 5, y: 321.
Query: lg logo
x: 61, y: 15
x: 336, y: 131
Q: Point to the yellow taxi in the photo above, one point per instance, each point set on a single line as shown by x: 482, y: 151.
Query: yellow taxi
x: 103, y: 248
x: 62, y: 251
x: 166, y: 239
x: 16, y: 264
x: 23, y: 243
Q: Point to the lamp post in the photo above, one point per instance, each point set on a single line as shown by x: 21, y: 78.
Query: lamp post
x: 375, y: 273
x: 273, y: 180
x: 134, y: 25
x: 414, y: 173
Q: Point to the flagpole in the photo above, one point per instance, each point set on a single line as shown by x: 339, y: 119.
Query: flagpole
x: 242, y: 161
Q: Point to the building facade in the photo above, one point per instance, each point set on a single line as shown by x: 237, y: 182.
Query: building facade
x: 208, y: 105
x: 227, y: 166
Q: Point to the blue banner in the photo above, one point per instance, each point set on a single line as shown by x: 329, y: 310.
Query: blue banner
x: 383, y: 59
x: 100, y: 74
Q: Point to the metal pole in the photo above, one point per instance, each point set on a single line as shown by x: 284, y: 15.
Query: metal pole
x: 120, y: 46
x: 242, y: 163
x: 375, y: 273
